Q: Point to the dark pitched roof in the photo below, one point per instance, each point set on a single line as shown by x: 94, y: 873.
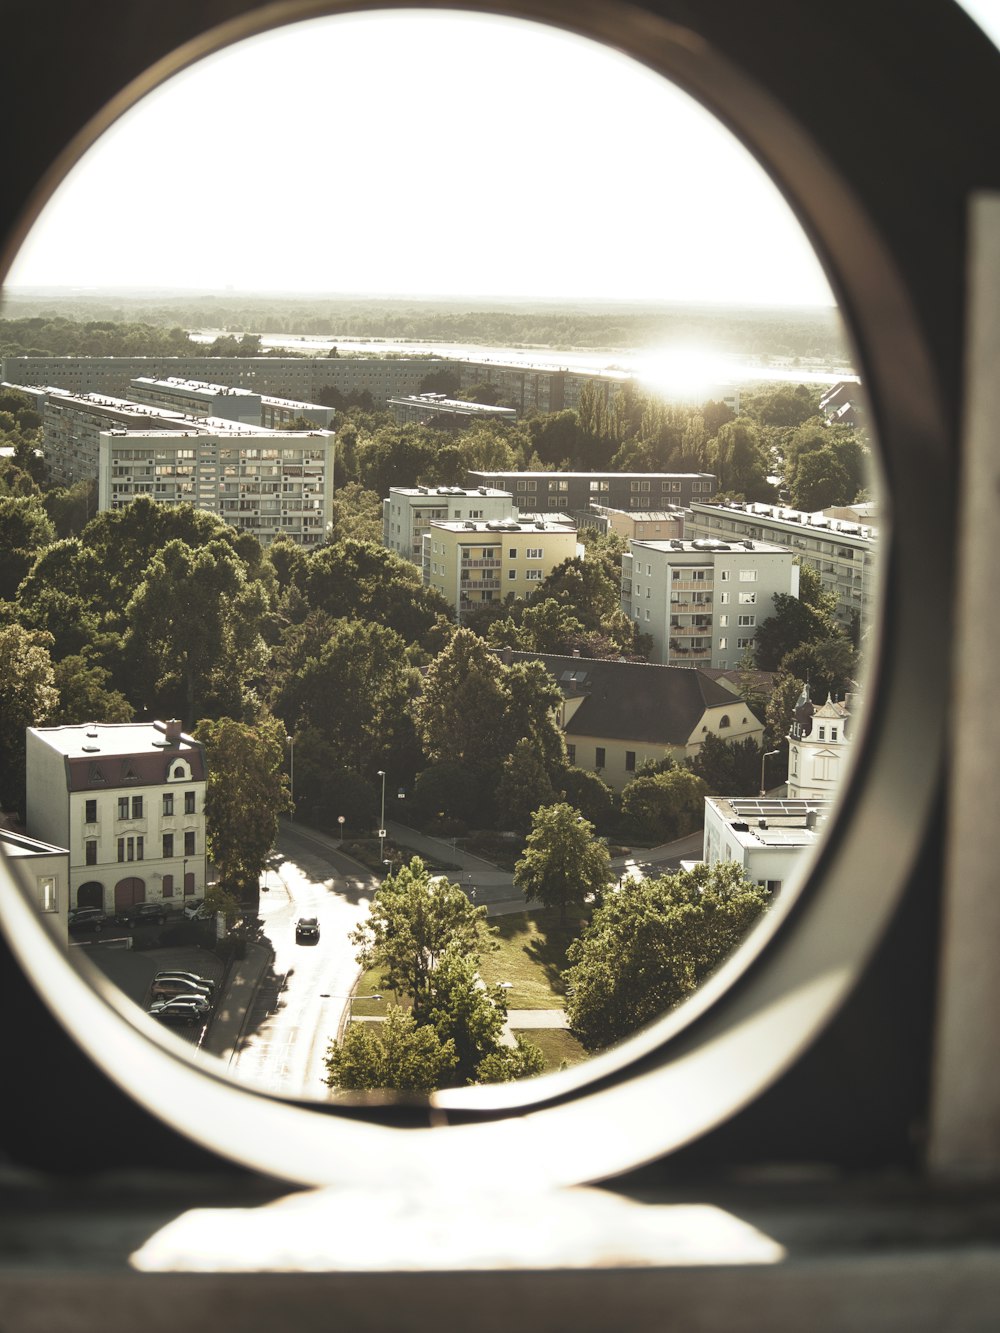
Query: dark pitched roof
x: 637, y: 701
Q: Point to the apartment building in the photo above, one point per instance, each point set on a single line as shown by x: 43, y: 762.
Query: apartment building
x: 701, y: 601
x: 841, y: 545
x: 72, y: 425
x: 284, y: 412
x: 617, y: 716
x: 128, y: 801
x: 615, y: 490
x: 408, y: 513
x: 268, y: 483
x: 196, y: 398
x: 643, y: 525
x: 427, y: 408
x: 295, y: 377
x: 472, y: 562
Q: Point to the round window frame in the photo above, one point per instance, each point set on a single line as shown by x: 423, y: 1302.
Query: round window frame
x: 697, y: 1067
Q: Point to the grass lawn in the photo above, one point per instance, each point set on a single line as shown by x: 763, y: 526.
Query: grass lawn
x: 369, y: 986
x: 557, y: 1045
x: 532, y: 956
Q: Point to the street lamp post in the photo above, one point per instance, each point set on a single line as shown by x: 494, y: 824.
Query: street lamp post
x: 340, y: 821
x: 381, y: 827
x: 291, y: 773
x: 765, y: 756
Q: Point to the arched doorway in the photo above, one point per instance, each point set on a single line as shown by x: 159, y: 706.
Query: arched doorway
x: 128, y: 892
x: 90, y: 894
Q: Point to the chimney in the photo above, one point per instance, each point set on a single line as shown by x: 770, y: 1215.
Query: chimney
x: 172, y: 730
x: 507, y: 656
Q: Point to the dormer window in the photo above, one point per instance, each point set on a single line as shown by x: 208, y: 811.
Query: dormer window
x: 180, y: 771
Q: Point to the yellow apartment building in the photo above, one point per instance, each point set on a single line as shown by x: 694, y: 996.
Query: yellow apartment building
x: 474, y: 562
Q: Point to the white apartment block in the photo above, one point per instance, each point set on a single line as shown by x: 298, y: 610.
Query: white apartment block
x: 409, y: 511
x: 275, y: 412
x: 268, y: 483
x: 196, y: 398
x: 473, y: 562
x: 840, y: 545
x: 128, y: 801
x: 701, y: 601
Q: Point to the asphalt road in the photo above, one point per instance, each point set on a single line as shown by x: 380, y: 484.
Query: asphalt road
x: 299, y: 1006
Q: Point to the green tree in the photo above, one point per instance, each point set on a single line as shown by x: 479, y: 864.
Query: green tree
x: 84, y: 695
x: 355, y: 690
x: 247, y: 791
x: 25, y: 530
x: 663, y: 806
x: 590, y: 794
x: 464, y: 1011
x: 739, y: 460
x: 728, y: 768
x: 524, y: 785
x: 507, y: 1063
x: 563, y: 861
x: 821, y: 480
x: 412, y: 920
x: 651, y: 944
x: 395, y: 1054
x: 194, y: 628
x: 793, y: 624
x: 28, y: 698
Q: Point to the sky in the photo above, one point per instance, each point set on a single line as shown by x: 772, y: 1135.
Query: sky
x: 423, y: 153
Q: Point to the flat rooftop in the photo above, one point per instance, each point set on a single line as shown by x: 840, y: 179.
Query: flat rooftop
x: 708, y: 546
x: 772, y: 822
x: 194, y: 386
x: 503, y: 526
x: 796, y: 518
x: 451, y: 492
x: 113, y: 738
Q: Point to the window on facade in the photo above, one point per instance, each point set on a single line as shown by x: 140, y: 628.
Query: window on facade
x: 833, y: 733
x: 748, y: 576
x: 90, y: 812
x: 747, y: 598
x: 629, y: 761
x: 189, y: 843
x: 168, y: 803
x: 136, y: 807
x: 723, y: 622
x: 723, y: 721
x: 747, y: 620
x: 139, y: 845
x: 724, y: 575
x: 723, y: 598
x: 533, y: 575
x: 571, y: 754
x: 168, y: 845
x: 723, y: 645
x: 599, y: 757
x: 123, y: 807
x: 189, y: 803
x: 512, y: 573
x: 48, y: 899
x: 90, y: 852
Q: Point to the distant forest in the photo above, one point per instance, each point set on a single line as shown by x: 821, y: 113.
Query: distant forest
x: 108, y: 325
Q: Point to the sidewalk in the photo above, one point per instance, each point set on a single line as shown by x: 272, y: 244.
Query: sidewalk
x: 441, y: 849
x: 232, y: 1009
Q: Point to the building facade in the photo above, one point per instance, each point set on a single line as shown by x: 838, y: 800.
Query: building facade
x: 842, y: 550
x: 424, y: 408
x: 409, y: 511
x: 654, y: 525
x: 268, y: 483
x: 819, y: 743
x: 615, y: 490
x: 128, y: 801
x: 196, y: 398
x: 702, y: 601
x: 473, y: 562
x: 72, y: 425
x: 43, y: 872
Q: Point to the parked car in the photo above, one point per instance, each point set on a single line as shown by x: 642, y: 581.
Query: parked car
x: 166, y: 986
x: 174, y: 974
x: 306, y: 928
x: 189, y: 1010
x: 86, y: 918
x: 142, y: 912
x: 195, y: 910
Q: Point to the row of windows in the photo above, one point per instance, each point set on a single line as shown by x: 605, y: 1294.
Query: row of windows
x: 133, y: 807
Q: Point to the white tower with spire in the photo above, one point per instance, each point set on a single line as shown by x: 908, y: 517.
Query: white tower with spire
x: 818, y: 742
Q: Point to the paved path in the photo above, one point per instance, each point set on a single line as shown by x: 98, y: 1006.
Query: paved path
x: 537, y: 1018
